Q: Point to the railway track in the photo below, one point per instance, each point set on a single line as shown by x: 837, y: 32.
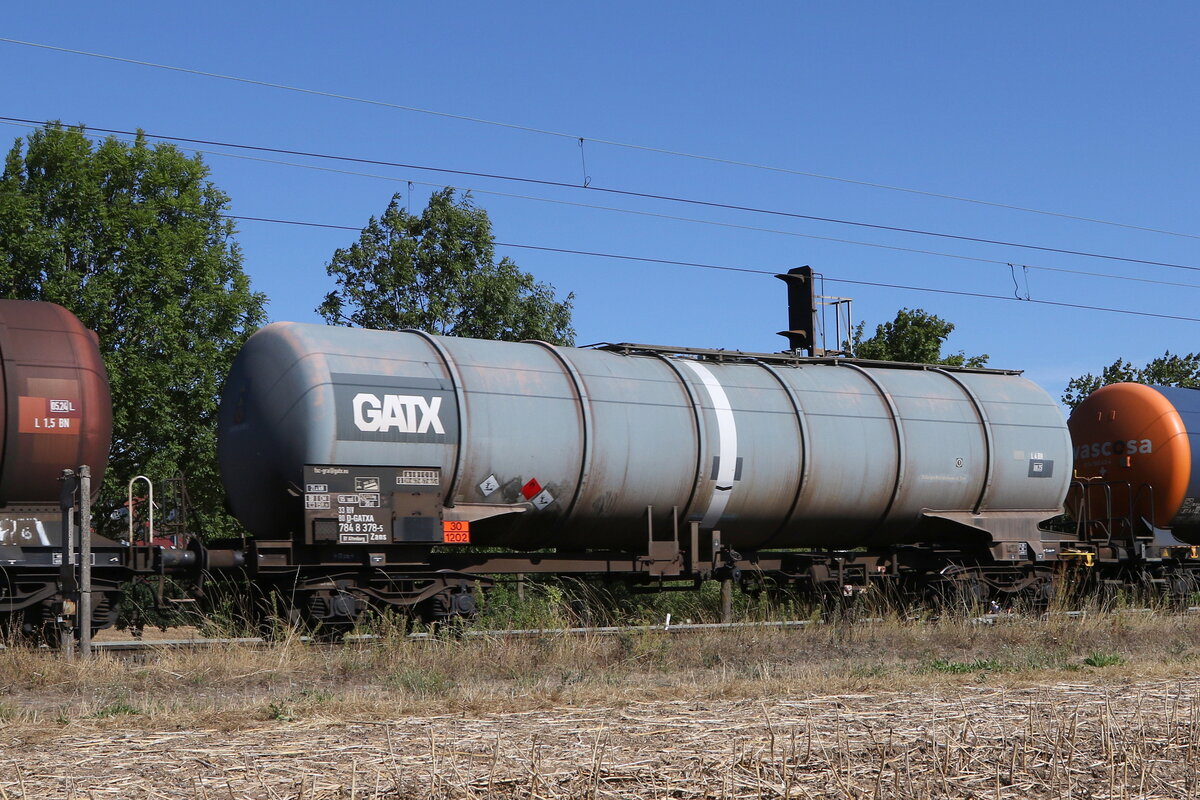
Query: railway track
x: 141, y: 645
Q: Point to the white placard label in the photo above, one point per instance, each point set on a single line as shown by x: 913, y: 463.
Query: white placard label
x: 542, y: 500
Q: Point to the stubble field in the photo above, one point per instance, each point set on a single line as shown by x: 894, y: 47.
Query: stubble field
x: 1106, y: 706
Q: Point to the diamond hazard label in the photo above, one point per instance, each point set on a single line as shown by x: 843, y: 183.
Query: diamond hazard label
x: 542, y: 500
x: 488, y: 486
x: 529, y: 490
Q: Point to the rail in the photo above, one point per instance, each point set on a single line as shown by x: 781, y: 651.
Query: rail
x: 139, y: 645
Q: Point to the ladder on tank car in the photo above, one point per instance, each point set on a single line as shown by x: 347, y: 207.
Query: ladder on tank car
x: 1111, y: 524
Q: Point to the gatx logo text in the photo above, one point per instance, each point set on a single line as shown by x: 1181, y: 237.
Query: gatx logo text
x: 404, y: 413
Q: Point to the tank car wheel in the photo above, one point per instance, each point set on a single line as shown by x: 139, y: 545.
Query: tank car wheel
x: 939, y: 595
x: 970, y: 593
x: 37, y: 626
x: 447, y: 606
x: 1147, y: 588
x: 1181, y: 586
x: 106, y: 608
x: 24, y: 628
x: 1172, y: 587
x: 1039, y: 594
x: 331, y: 614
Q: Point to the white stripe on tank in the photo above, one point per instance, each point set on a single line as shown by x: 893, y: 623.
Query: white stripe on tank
x: 726, y: 444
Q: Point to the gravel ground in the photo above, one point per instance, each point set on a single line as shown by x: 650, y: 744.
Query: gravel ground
x: 1136, y: 739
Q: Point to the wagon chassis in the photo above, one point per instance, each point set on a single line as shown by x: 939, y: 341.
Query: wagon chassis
x: 335, y: 586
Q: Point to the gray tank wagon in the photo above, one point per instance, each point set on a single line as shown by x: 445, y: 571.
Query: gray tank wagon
x: 542, y: 446
x: 374, y: 444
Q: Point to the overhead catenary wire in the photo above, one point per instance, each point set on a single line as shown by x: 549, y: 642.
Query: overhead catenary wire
x: 831, y: 280
x: 601, y: 141
x: 656, y: 215
x: 1085, y: 273
x: 716, y: 223
x: 632, y: 193
x: 855, y: 242
x: 749, y: 270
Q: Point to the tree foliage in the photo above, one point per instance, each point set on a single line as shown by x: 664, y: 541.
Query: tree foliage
x: 914, y: 336
x: 1166, y: 370
x: 437, y: 272
x: 132, y: 239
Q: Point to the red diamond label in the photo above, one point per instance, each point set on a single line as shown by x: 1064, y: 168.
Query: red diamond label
x: 529, y: 490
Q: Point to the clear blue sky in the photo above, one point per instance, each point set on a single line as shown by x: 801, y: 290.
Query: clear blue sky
x: 1086, y: 109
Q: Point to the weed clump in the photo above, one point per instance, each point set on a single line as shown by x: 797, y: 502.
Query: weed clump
x: 1097, y: 659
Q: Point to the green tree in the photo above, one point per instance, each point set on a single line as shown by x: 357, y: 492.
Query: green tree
x: 1166, y: 370
x: 916, y: 337
x: 438, y: 272
x: 132, y: 239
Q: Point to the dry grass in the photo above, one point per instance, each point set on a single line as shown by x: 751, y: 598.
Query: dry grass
x: 1099, y: 707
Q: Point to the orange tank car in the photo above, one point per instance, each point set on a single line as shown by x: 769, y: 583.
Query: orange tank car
x: 1134, y: 448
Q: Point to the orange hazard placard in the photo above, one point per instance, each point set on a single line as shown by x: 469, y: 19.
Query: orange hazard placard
x: 456, y: 532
